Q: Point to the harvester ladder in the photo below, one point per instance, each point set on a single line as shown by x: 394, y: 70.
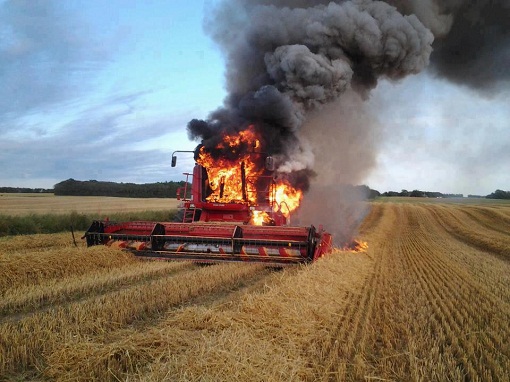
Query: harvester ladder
x: 189, y: 215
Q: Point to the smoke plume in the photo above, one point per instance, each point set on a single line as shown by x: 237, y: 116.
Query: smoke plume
x: 299, y: 70
x: 283, y: 63
x: 472, y: 44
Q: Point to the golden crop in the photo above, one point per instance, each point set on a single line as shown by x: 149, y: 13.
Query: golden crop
x: 429, y: 300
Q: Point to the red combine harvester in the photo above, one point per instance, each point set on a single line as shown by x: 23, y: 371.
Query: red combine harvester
x: 253, y: 228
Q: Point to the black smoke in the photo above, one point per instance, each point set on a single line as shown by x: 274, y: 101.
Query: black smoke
x: 472, y: 40
x: 287, y: 59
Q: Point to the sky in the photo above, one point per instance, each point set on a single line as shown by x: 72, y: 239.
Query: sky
x: 104, y: 91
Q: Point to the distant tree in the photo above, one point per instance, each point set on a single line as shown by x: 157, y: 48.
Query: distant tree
x: 391, y: 193
x: 24, y: 190
x: 453, y: 195
x: 132, y: 190
x: 433, y: 194
x: 499, y: 194
x: 374, y: 194
x: 417, y: 194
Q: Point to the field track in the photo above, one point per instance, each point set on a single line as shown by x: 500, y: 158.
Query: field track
x: 429, y: 300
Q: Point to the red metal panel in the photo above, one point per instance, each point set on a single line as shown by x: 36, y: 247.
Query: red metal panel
x: 276, y: 233
x: 199, y: 230
x: 130, y: 228
x: 324, y: 247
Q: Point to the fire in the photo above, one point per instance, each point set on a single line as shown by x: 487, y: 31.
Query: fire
x: 356, y: 246
x: 286, y: 198
x: 260, y: 218
x: 225, y: 175
x: 239, y: 176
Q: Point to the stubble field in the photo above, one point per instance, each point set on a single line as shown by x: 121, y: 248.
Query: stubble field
x: 429, y: 300
x: 24, y: 204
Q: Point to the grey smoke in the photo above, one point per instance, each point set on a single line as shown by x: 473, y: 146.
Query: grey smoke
x: 284, y: 62
x: 472, y: 38
x: 472, y: 45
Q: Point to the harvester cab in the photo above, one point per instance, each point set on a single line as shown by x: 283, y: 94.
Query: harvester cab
x: 226, y: 214
x: 246, y: 201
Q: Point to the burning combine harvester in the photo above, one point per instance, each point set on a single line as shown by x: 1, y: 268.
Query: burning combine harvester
x: 236, y: 209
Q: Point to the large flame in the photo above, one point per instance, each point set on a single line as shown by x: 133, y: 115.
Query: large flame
x: 286, y: 198
x: 225, y: 176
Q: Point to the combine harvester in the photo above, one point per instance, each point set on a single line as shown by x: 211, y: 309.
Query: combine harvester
x: 233, y: 211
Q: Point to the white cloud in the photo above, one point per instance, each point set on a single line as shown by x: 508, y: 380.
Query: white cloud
x: 440, y: 137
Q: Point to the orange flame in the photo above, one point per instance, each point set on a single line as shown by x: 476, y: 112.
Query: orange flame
x: 286, y: 198
x: 356, y: 246
x: 260, y: 218
x: 225, y: 176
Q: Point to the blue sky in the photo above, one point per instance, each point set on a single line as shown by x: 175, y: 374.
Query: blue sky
x: 104, y: 90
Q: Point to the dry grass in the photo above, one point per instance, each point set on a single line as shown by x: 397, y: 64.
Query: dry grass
x: 29, y: 244
x: 25, y: 204
x: 264, y: 336
x: 39, y: 266
x: 429, y: 300
x: 95, y: 316
x: 29, y: 298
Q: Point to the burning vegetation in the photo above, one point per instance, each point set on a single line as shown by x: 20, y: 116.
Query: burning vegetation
x: 356, y: 246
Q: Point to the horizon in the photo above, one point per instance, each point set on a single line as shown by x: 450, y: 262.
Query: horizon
x: 176, y: 181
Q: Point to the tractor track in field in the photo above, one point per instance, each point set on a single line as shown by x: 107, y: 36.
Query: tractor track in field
x: 343, y: 339
x: 349, y: 337
x: 21, y: 309
x: 355, y: 312
x: 373, y: 219
x: 408, y: 252
x: 474, y: 238
x: 439, y: 280
x: 417, y: 256
x: 137, y: 311
x: 466, y: 256
x: 224, y: 294
x: 489, y: 220
x: 470, y: 292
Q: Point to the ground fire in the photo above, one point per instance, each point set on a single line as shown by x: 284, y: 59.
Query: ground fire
x: 356, y: 246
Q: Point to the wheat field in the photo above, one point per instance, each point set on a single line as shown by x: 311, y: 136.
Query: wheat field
x: 429, y: 300
x: 33, y: 203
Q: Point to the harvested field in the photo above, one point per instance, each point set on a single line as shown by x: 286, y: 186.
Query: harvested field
x: 26, y: 204
x: 429, y: 300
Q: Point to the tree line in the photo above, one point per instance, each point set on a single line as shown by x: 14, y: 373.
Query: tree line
x: 422, y: 194
x: 169, y: 190
x: 25, y: 190
x: 73, y: 187
x: 499, y: 194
